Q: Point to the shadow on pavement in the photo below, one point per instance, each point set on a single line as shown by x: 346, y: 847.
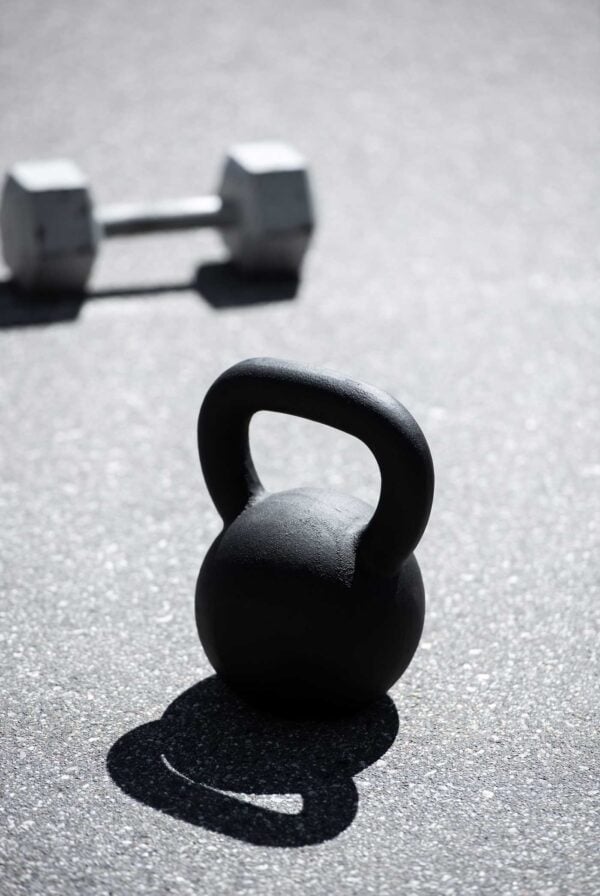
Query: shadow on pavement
x: 210, y: 745
x: 224, y: 287
x: 220, y: 284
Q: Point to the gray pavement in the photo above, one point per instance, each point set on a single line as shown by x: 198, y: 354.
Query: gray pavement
x: 454, y: 150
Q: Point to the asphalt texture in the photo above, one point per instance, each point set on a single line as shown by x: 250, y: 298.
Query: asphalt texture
x: 454, y: 154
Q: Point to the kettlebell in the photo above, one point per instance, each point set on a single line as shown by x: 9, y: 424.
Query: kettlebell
x: 309, y: 599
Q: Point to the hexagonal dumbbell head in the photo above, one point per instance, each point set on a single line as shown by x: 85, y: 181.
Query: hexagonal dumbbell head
x: 49, y: 236
x: 266, y: 186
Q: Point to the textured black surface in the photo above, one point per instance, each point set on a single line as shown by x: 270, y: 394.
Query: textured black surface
x: 455, y: 161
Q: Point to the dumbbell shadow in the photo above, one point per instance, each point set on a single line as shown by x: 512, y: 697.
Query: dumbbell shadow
x: 218, y: 283
x: 223, y: 286
x: 210, y: 746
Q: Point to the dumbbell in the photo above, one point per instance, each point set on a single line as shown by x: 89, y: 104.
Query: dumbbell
x: 51, y: 231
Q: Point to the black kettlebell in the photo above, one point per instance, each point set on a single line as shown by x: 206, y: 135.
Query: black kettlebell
x: 309, y: 599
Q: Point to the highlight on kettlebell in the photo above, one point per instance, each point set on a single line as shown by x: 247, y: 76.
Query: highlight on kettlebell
x: 310, y: 598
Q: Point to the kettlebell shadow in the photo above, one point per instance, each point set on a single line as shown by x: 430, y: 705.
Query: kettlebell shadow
x: 210, y: 746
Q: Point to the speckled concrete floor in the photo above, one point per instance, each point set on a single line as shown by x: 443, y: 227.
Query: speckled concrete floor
x: 454, y: 150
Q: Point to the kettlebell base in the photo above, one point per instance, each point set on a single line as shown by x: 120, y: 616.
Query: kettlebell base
x: 293, y: 707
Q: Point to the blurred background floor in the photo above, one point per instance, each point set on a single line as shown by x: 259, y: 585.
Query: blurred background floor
x: 454, y: 154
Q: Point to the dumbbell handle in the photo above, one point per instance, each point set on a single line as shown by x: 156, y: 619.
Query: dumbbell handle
x: 130, y: 218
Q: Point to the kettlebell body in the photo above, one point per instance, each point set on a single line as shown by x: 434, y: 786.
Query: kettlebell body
x: 309, y: 599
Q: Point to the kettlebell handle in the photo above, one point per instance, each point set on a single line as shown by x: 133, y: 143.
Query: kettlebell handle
x: 369, y: 414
